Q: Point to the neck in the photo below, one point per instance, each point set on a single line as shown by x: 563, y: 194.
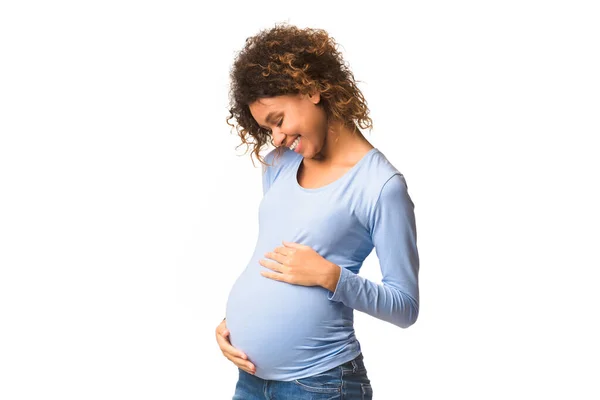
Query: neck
x: 343, y: 145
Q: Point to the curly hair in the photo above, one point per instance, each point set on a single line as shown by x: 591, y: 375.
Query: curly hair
x: 288, y: 60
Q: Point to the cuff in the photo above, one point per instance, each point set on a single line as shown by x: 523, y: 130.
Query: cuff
x: 335, y: 296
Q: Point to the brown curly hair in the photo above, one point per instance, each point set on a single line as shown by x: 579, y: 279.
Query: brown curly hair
x: 288, y: 60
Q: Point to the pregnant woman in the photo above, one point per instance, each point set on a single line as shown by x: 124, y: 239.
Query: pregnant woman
x: 329, y: 198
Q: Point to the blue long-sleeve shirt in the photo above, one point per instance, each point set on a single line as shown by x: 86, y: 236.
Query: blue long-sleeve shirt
x: 292, y: 331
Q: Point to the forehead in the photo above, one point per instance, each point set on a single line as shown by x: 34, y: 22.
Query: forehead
x: 265, y: 109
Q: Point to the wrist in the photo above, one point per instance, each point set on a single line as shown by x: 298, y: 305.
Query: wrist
x: 332, y: 277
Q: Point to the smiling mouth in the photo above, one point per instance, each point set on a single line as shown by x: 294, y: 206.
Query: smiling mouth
x: 295, y: 143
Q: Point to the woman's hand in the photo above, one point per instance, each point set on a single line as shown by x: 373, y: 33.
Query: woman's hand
x: 299, y: 264
x: 234, y: 355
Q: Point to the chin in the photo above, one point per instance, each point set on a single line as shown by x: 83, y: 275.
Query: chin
x: 316, y: 157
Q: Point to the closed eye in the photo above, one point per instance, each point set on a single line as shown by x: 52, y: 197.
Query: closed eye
x: 280, y: 122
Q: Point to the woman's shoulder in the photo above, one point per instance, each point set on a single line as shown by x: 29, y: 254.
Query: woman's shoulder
x: 278, y: 160
x: 280, y: 156
x: 379, y: 169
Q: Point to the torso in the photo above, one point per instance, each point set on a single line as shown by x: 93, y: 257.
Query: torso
x: 291, y: 331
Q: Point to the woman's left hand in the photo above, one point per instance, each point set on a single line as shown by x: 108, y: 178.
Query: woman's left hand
x: 299, y: 264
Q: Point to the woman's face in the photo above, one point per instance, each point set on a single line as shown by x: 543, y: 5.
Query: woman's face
x: 293, y: 116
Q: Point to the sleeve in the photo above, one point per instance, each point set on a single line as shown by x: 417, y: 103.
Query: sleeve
x: 269, y: 172
x: 394, y: 236
x: 266, y: 178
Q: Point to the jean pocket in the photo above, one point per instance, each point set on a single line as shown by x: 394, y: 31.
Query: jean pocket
x: 367, y: 391
x: 325, y: 382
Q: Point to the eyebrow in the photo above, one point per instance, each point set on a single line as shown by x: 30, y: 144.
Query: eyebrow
x: 269, y: 116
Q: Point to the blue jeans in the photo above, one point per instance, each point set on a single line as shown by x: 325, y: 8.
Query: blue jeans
x: 348, y: 381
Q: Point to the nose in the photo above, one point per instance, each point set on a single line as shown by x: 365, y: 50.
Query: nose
x: 279, y: 137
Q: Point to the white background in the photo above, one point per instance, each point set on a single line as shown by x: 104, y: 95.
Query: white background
x: 127, y: 211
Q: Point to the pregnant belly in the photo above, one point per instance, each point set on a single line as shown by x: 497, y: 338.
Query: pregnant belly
x: 281, y: 326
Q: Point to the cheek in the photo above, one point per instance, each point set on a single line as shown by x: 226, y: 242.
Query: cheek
x: 320, y: 124
x: 299, y: 129
x: 312, y: 127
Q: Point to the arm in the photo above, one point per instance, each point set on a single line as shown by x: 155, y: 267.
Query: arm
x: 394, y: 235
x: 269, y: 173
x: 266, y: 178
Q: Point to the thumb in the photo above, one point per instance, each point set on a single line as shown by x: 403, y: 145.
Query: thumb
x: 291, y: 244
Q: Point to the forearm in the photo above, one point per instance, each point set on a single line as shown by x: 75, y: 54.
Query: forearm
x: 383, y: 301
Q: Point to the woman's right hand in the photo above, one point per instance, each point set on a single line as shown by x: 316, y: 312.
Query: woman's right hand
x: 234, y: 355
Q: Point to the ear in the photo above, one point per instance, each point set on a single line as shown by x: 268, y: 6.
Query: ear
x: 315, y: 97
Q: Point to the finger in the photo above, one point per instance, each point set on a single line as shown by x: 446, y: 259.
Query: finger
x: 226, y: 346
x: 233, y: 355
x: 280, y: 251
x: 274, y: 266
x: 222, y: 327
x: 246, y: 366
x: 272, y: 275
x: 272, y: 256
x: 292, y: 245
x: 242, y: 364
